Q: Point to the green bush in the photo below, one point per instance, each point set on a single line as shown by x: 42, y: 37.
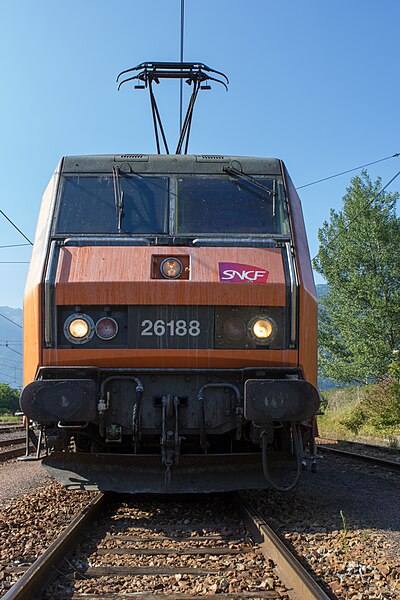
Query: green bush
x: 9, y: 399
x: 367, y: 411
x: 355, y: 420
x: 383, y: 405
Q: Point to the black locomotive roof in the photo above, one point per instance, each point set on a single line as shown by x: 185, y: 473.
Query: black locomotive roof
x: 170, y: 163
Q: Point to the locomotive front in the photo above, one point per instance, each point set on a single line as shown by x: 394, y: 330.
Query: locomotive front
x: 170, y: 324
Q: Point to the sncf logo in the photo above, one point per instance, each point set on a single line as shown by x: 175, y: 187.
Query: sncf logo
x: 234, y: 272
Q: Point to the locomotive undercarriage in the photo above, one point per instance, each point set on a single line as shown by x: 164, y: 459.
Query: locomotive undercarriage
x: 170, y: 430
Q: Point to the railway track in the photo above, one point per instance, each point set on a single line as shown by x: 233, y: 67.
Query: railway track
x: 367, y: 453
x: 11, y: 428
x: 12, y: 444
x: 13, y: 441
x: 180, y: 547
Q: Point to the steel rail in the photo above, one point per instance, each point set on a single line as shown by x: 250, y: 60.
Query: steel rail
x: 13, y: 453
x: 12, y: 441
x: 18, y: 447
x: 289, y: 569
x: 388, y: 464
x: 355, y: 444
x: 44, y: 569
x: 255, y: 595
x: 293, y: 575
x: 11, y: 428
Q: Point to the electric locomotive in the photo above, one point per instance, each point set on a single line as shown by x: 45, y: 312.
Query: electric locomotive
x: 170, y: 324
x: 170, y: 318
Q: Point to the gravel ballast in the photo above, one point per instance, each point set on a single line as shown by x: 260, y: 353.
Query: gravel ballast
x: 30, y: 522
x: 174, y: 523
x: 18, y: 478
x: 344, y: 521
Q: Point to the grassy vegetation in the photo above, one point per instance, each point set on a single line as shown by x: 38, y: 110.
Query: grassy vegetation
x: 9, y: 419
x: 364, y: 413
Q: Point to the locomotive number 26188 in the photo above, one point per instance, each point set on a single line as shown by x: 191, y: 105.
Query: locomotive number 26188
x: 179, y: 327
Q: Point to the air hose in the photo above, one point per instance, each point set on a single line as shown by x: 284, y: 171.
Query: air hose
x: 297, y: 451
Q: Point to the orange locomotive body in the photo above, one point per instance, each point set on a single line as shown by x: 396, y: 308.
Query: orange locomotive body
x: 170, y: 324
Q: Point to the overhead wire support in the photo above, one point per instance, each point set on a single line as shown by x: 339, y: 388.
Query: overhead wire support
x: 198, y: 75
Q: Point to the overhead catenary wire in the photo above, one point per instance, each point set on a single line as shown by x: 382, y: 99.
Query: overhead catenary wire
x: 10, y: 364
x: 10, y: 359
x: 14, y: 245
x: 15, y: 227
x: 12, y: 349
x: 348, y: 171
x: 359, y: 213
x: 14, y: 381
x: 13, y: 322
x: 9, y: 377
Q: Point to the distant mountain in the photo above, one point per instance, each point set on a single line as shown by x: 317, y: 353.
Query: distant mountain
x: 11, y: 346
x: 322, y: 289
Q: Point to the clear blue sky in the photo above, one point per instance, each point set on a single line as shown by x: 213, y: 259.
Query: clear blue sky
x: 313, y: 82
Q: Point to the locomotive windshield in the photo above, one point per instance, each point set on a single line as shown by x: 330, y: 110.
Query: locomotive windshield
x: 88, y: 205
x: 223, y: 205
x: 186, y: 205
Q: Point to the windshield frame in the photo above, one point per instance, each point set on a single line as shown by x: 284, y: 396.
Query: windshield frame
x: 111, y: 201
x: 172, y: 235
x: 276, y: 196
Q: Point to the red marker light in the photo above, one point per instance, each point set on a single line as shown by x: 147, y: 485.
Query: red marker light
x: 106, y: 328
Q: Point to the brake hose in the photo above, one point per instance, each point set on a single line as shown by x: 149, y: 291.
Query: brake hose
x: 297, y: 451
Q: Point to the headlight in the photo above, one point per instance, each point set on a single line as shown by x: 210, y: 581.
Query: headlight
x: 106, y: 328
x: 250, y: 327
x: 171, y: 268
x: 262, y: 329
x: 79, y: 328
x: 234, y: 329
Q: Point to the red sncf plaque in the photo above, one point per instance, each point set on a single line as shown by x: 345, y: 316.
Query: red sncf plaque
x: 238, y: 272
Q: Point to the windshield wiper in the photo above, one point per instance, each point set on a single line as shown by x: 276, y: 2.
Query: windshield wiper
x: 118, y: 196
x: 240, y: 175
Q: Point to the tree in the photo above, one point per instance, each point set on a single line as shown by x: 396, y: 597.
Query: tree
x: 9, y: 399
x: 359, y: 257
